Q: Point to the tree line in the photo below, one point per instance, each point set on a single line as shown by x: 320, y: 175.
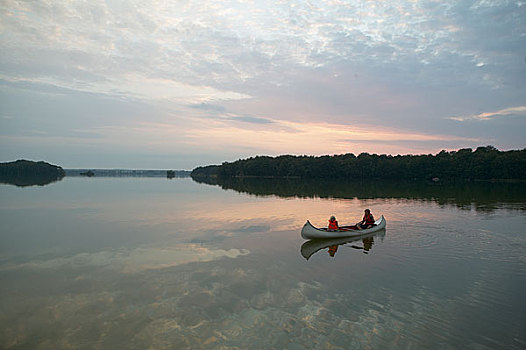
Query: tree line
x: 484, y: 163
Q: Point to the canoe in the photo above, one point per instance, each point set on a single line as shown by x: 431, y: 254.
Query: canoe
x: 310, y: 232
x: 314, y: 245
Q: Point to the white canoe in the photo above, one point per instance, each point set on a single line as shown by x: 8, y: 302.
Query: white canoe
x: 310, y: 232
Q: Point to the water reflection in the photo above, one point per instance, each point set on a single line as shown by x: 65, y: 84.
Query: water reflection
x: 153, y: 264
x: 30, y: 180
x: 313, y: 246
x: 481, y: 196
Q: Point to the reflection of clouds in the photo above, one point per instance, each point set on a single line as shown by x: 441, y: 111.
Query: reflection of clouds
x: 164, y: 209
x: 262, y: 301
x: 136, y: 260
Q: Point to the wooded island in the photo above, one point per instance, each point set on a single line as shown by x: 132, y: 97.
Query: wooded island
x: 28, y: 173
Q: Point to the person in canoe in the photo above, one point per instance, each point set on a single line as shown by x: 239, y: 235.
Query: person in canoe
x: 367, y: 221
x: 333, y: 224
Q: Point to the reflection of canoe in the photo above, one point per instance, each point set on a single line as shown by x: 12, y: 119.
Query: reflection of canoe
x: 310, y: 232
x: 312, y: 246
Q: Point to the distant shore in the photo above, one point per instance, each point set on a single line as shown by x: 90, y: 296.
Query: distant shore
x: 30, y: 173
x: 127, y: 173
x: 483, y: 164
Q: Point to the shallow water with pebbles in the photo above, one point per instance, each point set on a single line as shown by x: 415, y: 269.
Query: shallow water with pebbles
x: 172, y: 264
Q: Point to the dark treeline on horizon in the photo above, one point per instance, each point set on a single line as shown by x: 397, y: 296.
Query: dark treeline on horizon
x: 485, y: 163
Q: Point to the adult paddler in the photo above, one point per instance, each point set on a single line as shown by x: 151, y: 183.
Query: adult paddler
x: 367, y: 221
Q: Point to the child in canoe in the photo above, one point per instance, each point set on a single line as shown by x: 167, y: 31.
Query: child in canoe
x: 333, y: 224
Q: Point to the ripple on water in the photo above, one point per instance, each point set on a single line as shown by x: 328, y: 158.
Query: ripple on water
x: 427, y: 240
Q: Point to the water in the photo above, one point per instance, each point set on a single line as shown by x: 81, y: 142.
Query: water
x: 172, y: 264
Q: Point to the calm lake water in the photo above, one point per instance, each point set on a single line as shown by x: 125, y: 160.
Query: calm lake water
x: 152, y: 263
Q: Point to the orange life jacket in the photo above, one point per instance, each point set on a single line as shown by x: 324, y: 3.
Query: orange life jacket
x: 333, y: 225
x: 368, y: 219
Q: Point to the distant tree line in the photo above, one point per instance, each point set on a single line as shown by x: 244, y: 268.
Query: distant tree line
x: 485, y: 163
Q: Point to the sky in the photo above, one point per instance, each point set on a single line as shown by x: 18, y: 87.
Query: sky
x: 179, y: 84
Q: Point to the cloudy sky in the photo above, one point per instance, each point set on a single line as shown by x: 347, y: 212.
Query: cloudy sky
x: 178, y: 84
